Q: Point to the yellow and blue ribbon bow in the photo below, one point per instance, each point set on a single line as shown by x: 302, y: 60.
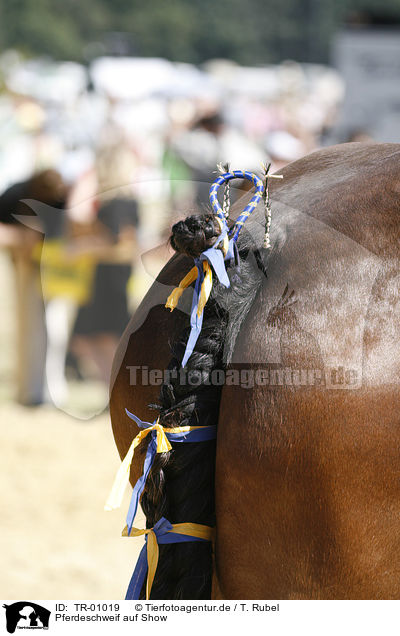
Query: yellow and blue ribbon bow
x: 213, y: 259
x: 163, y: 532
x: 159, y: 443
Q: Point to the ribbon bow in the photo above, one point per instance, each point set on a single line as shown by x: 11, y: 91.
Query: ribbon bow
x: 210, y: 260
x: 163, y: 532
x: 213, y: 259
x: 159, y: 443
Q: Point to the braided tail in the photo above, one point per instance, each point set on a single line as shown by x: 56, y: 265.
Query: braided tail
x: 180, y: 486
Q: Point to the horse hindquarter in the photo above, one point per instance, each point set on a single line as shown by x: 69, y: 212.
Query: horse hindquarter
x: 308, y: 469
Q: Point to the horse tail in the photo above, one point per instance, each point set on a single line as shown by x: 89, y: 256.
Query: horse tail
x: 180, y: 486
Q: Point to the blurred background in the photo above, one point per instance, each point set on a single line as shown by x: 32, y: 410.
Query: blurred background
x: 113, y: 116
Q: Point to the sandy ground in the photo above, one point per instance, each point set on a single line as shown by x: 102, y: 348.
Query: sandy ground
x: 56, y: 471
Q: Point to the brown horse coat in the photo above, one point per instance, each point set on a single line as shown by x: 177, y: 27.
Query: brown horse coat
x: 308, y: 465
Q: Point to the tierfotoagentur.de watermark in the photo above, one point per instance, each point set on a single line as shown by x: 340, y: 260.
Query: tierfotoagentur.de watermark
x: 247, y: 377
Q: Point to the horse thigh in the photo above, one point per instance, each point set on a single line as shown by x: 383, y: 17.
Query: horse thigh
x: 307, y: 496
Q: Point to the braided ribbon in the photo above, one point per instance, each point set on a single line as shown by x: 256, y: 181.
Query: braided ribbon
x: 193, y: 274
x: 163, y: 532
x: 242, y: 218
x: 159, y: 443
x: 202, y: 274
x: 213, y: 259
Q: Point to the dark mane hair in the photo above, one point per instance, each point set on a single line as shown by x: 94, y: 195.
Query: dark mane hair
x: 180, y: 486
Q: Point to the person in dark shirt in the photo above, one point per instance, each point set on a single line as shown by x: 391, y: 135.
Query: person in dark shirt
x: 101, y: 322
x: 107, y: 311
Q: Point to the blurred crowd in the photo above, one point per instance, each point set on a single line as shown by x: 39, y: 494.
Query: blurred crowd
x: 97, y: 163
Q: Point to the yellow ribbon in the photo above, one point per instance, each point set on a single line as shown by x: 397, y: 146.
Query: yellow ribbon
x: 191, y: 276
x: 191, y: 529
x: 205, y: 291
x: 175, y: 295
x: 121, y: 480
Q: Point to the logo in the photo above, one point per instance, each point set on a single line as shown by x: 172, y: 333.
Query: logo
x: 26, y: 615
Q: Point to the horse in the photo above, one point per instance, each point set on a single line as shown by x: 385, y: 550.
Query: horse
x: 302, y: 482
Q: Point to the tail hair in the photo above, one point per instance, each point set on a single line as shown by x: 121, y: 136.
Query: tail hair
x: 181, y: 484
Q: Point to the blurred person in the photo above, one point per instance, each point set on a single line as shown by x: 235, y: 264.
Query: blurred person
x: 211, y: 141
x: 283, y: 148
x: 38, y: 203
x: 102, y: 320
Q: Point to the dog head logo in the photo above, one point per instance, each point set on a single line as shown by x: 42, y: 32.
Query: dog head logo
x: 26, y: 615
